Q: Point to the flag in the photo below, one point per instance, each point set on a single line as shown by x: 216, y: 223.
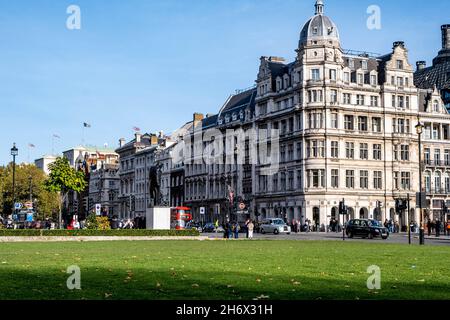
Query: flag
x: 136, y: 129
x: 56, y: 136
x: 86, y: 125
x: 31, y: 145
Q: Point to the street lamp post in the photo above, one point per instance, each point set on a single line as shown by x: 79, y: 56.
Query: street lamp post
x: 30, y: 179
x: 14, y: 153
x: 419, y: 130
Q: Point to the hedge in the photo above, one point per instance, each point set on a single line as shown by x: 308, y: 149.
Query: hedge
x: 97, y: 233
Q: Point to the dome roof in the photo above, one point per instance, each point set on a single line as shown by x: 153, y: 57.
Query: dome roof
x: 319, y: 27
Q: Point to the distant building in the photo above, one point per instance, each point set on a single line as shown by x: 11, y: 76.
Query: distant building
x: 44, y: 162
x: 104, y: 188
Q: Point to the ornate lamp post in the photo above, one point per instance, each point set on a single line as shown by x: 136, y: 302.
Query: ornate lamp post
x: 14, y: 153
x: 419, y: 130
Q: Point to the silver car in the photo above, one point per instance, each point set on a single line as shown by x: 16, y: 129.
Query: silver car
x: 275, y: 226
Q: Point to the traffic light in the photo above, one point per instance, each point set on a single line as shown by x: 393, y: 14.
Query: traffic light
x: 401, y: 205
x: 444, y: 207
x: 75, y: 206
x: 342, y: 208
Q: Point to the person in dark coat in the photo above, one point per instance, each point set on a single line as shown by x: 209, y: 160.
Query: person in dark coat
x: 438, y: 228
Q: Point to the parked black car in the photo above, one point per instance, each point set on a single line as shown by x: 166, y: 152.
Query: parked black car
x: 366, y: 228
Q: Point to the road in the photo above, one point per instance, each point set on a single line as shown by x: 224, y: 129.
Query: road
x: 399, y: 238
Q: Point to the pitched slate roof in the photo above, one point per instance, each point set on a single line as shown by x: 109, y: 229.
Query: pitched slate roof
x: 437, y: 75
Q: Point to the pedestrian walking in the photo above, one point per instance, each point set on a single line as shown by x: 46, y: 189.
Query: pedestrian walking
x: 438, y: 228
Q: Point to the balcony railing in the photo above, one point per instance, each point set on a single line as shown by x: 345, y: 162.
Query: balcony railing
x: 438, y: 191
x: 437, y: 163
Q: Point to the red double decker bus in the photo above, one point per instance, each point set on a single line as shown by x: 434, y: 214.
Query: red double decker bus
x: 180, y: 217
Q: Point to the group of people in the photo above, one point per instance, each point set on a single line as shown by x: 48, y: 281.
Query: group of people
x: 437, y: 227
x: 308, y: 226
x: 232, y: 229
x: 9, y: 223
x: 392, y: 226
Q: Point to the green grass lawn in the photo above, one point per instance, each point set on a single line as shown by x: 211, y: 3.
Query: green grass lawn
x: 223, y: 270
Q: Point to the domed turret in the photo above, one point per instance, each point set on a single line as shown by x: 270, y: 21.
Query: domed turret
x: 319, y: 27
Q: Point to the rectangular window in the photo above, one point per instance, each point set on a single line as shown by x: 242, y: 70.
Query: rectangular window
x: 360, y: 99
x: 360, y: 79
x: 350, y: 179
x: 374, y: 101
x: 349, y: 150
x: 364, y: 179
x: 401, y: 101
x: 299, y: 150
x: 407, y: 102
x: 393, y: 101
x: 396, y: 180
x: 348, y: 122
x: 334, y: 120
x: 347, y: 98
x: 334, y: 178
x: 378, y: 180
x: 333, y: 96
x: 364, y: 65
x: 347, y: 77
x: 362, y: 124
x: 363, y: 151
x: 315, y: 74
x: 377, y: 152
x: 373, y: 80
x: 400, y: 81
x: 335, y: 149
x: 404, y: 153
x: 406, y: 180
x: 400, y: 64
x: 333, y: 74
x: 376, y: 124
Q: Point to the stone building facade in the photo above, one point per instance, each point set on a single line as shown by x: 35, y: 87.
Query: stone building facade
x: 345, y: 124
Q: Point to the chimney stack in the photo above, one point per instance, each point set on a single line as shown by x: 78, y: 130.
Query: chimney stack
x: 154, y: 140
x: 121, y: 142
x: 445, y: 36
x: 138, y: 137
x: 421, y: 65
x: 399, y: 44
x: 198, y: 117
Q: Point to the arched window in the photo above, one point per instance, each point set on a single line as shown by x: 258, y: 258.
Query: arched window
x: 437, y: 182
x: 427, y: 181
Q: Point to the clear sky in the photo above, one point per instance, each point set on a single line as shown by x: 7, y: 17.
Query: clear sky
x: 153, y: 63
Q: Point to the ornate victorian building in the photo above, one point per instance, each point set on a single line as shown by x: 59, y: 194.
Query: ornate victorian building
x: 345, y: 128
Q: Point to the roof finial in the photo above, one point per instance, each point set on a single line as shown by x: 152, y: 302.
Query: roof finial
x: 319, y: 7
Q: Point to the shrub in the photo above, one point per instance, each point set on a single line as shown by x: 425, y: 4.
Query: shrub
x: 97, y: 223
x: 97, y: 233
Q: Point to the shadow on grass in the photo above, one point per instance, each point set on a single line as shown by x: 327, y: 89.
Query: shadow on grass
x: 145, y: 284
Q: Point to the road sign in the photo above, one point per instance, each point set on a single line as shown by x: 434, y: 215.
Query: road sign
x: 17, y: 206
x: 98, y: 209
x: 202, y: 210
x: 29, y: 205
x: 242, y: 206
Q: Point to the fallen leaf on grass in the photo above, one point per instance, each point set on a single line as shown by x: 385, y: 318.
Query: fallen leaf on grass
x: 195, y: 285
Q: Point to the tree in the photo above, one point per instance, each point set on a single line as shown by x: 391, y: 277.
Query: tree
x: 62, y: 179
x: 45, y: 201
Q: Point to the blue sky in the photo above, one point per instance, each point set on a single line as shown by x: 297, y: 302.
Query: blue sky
x: 152, y: 63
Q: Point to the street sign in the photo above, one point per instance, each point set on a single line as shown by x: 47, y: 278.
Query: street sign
x: 98, y: 209
x: 202, y: 210
x: 29, y: 205
x: 242, y: 206
x: 17, y: 206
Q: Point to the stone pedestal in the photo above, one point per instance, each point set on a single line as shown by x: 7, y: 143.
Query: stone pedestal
x: 158, y: 218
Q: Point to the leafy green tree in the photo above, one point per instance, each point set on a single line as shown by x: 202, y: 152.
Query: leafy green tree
x: 45, y: 201
x: 62, y: 179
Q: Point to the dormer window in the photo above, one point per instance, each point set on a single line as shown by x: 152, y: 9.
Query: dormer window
x: 364, y: 64
x: 234, y: 116
x: 330, y: 30
x: 241, y: 115
x: 315, y: 30
x: 360, y: 78
x: 227, y: 118
x: 351, y: 63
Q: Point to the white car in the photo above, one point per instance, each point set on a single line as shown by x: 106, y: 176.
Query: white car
x: 275, y: 226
